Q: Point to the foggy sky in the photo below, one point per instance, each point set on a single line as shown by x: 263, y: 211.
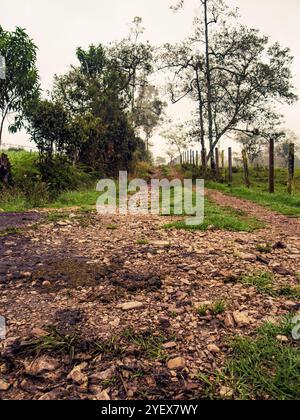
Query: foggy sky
x: 58, y: 27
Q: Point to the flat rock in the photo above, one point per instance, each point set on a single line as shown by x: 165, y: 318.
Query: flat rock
x: 77, y: 376
x: 4, y: 386
x: 39, y: 333
x: 248, y: 257
x: 170, y: 345
x: 161, y: 244
x: 212, y: 348
x: 131, y: 306
x: 103, y: 396
x: 177, y: 363
x: 41, y: 365
x: 241, y: 318
x: 229, y: 321
x: 282, y: 339
x: 226, y: 392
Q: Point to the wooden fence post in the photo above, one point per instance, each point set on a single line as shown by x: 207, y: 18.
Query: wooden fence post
x: 246, y: 169
x: 230, y: 177
x: 291, y: 168
x: 272, y: 167
x: 223, y: 163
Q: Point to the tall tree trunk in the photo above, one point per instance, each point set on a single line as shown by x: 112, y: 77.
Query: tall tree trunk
x: 1, y: 130
x: 209, y: 88
x: 201, y: 118
x: 272, y: 167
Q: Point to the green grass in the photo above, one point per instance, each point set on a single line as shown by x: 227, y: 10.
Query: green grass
x: 142, y: 242
x: 222, y: 218
x: 10, y: 231
x: 85, y: 198
x: 281, y: 201
x: 265, y: 284
x: 29, y: 191
x: 53, y: 343
x: 216, y: 308
x: 260, y: 367
x: 149, y: 345
x: 264, y: 368
x: 264, y: 249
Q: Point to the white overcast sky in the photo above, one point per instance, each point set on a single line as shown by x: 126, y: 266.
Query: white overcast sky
x: 58, y: 27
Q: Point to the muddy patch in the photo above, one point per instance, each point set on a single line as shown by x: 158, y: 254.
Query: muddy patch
x: 70, y: 273
x: 17, y: 220
x: 134, y: 282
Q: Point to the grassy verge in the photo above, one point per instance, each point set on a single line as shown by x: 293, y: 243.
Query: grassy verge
x: 262, y: 367
x: 281, y: 202
x: 265, y: 284
x: 223, y: 218
x: 84, y: 198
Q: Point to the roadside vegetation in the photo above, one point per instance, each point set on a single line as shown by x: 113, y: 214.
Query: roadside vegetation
x: 281, y: 201
x: 265, y: 366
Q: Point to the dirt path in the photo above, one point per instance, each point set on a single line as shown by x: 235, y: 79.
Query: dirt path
x: 124, y: 292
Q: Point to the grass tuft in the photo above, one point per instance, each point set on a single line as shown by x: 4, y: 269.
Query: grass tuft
x: 221, y: 218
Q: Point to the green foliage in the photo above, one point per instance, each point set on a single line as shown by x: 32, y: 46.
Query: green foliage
x: 223, y: 218
x: 217, y: 308
x: 265, y: 284
x: 264, y: 249
x: 20, y: 86
x: 280, y: 201
x: 264, y: 368
x: 37, y: 184
x: 148, y: 344
x: 95, y: 96
x: 53, y: 343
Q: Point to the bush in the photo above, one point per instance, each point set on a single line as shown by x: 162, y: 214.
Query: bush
x: 61, y: 176
x: 37, y: 182
x: 143, y: 170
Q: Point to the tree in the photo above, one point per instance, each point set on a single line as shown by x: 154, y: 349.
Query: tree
x: 253, y: 145
x: 21, y: 83
x: 96, y: 95
x: 148, y: 113
x: 283, y: 148
x: 160, y: 161
x: 241, y: 76
x: 134, y: 58
x: 54, y: 130
x: 177, y: 138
